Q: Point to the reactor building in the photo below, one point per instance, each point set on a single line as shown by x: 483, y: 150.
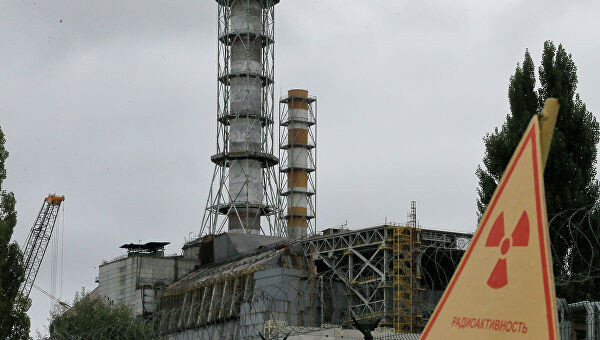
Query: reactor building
x: 260, y: 268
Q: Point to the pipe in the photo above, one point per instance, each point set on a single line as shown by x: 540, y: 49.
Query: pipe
x: 245, y: 175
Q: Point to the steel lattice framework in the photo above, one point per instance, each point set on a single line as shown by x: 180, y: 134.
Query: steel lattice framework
x: 389, y: 271
x: 243, y: 191
x: 38, y: 239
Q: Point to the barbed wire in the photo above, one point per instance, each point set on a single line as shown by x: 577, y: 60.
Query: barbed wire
x: 575, y: 243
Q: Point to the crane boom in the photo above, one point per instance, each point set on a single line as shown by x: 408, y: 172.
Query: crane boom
x: 38, y: 239
x: 62, y: 303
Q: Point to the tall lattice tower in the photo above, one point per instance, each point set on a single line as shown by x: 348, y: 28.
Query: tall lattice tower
x: 243, y: 192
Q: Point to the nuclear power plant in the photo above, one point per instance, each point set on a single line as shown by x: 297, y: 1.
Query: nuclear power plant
x: 261, y: 266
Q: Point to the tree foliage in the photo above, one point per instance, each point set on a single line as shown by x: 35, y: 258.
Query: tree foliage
x: 14, y: 322
x: 570, y: 173
x: 93, y: 318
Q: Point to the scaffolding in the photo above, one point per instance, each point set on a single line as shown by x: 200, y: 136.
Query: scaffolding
x: 405, y: 277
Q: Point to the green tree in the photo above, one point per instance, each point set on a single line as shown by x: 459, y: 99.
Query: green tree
x: 14, y: 322
x: 570, y: 174
x: 91, y: 317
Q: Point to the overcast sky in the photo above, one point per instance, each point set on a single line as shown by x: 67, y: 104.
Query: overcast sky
x: 113, y: 104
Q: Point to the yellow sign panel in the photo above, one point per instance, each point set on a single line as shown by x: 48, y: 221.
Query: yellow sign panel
x: 503, y: 287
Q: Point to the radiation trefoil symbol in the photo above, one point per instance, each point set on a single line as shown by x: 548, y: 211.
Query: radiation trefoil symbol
x: 497, y: 237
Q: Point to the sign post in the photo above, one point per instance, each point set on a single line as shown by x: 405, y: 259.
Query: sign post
x: 503, y: 288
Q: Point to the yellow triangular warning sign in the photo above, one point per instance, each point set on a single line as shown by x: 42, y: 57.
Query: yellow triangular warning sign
x: 503, y: 287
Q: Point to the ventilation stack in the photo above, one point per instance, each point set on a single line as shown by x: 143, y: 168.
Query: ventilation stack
x: 297, y: 152
x: 243, y: 189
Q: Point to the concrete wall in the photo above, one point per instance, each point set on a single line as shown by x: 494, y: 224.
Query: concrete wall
x: 135, y: 279
x: 283, y: 301
x: 278, y: 296
x: 229, y: 330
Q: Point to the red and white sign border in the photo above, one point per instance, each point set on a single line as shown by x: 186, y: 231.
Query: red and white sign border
x: 530, y: 137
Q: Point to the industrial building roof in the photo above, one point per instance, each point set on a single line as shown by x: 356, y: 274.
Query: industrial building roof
x: 243, y: 264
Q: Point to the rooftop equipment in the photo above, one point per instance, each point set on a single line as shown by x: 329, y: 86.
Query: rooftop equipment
x: 147, y: 248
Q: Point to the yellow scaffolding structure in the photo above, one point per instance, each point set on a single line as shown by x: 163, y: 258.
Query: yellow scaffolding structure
x: 403, y: 244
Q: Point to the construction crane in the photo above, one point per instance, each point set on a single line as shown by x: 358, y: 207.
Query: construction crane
x: 57, y: 300
x: 38, y: 239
